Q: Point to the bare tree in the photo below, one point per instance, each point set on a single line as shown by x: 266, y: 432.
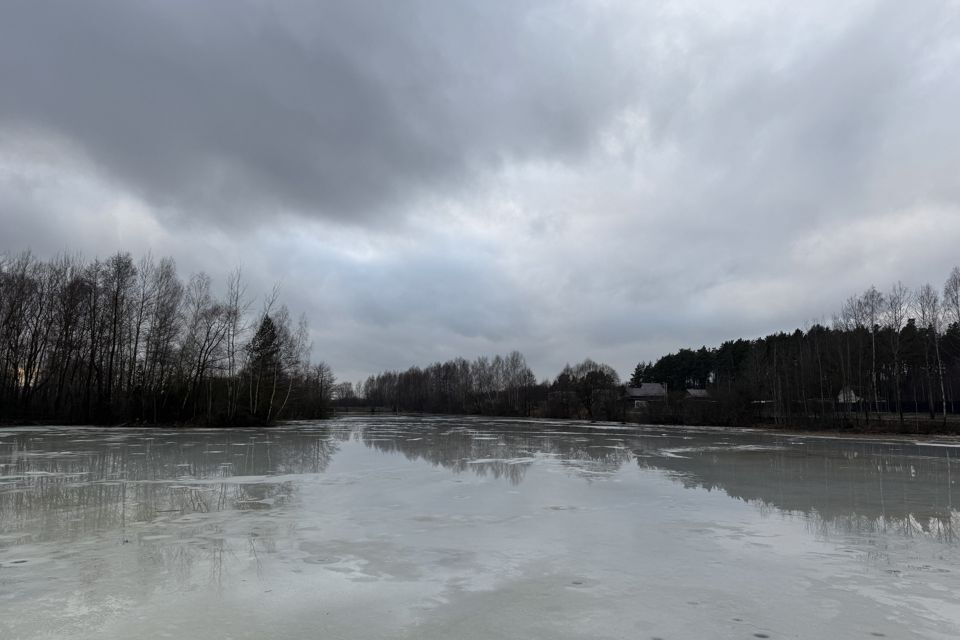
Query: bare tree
x: 931, y: 315
x: 898, y: 304
x: 951, y: 296
x: 294, y: 358
x: 871, y: 307
x: 144, y: 292
x: 207, y: 323
x: 164, y: 324
x: 324, y: 380
x: 236, y: 308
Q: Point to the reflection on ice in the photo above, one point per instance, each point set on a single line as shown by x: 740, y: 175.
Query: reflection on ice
x: 447, y: 527
x: 49, y: 495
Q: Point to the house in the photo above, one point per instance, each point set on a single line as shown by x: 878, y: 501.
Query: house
x: 640, y: 397
x: 699, y: 407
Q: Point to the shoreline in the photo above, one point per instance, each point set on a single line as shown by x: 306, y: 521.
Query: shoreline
x: 851, y: 435
x: 784, y: 430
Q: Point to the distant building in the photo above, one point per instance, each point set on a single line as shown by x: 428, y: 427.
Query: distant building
x: 640, y: 397
x: 699, y: 407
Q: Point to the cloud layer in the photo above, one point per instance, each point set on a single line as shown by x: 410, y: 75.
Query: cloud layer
x: 430, y: 179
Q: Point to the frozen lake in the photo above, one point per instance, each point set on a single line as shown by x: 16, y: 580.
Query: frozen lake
x: 469, y: 528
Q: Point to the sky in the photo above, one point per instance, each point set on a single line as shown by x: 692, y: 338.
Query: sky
x: 437, y: 178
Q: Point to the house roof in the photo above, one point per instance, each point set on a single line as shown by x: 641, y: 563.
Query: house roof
x: 697, y: 393
x: 647, y: 390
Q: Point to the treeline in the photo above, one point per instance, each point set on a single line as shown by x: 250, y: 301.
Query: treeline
x: 502, y: 385
x: 118, y: 341
x: 885, y: 354
x: 497, y: 386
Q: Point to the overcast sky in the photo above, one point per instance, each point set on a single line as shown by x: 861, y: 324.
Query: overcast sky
x: 607, y: 179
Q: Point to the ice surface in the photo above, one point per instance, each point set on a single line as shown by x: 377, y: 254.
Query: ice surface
x: 382, y: 527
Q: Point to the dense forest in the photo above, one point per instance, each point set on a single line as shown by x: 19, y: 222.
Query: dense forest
x: 886, y: 356
x: 124, y: 341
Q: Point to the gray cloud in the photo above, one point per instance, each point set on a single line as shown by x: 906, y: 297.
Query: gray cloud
x: 336, y: 109
x: 438, y: 178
